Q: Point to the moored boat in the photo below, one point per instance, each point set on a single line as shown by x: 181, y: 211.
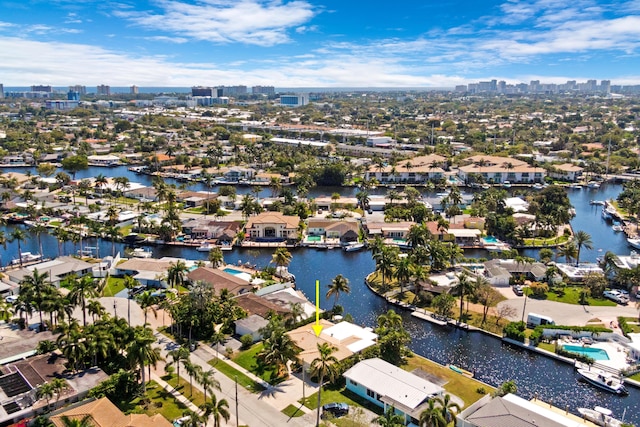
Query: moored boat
x: 141, y: 253
x: 26, y: 257
x: 205, y: 247
x: 617, y: 228
x: 600, y: 416
x: 604, y: 381
x: 461, y: 371
x: 634, y: 242
x: 353, y: 246
x: 593, y: 184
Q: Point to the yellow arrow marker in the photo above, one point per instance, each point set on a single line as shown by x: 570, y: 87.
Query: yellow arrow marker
x: 317, y: 328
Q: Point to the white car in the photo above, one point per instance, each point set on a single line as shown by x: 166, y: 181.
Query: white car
x: 616, y: 296
x: 11, y: 299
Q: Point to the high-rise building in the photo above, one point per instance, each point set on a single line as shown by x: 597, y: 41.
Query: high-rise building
x: 103, y: 90
x: 41, y: 88
x: 82, y: 90
x: 1, y: 91
x: 263, y: 90
x: 204, y: 91
x: 134, y: 90
x: 73, y: 96
x: 605, y: 86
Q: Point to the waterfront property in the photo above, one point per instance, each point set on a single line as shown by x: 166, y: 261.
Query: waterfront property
x: 58, y: 269
x: 596, y: 354
x: 511, y: 410
x: 272, y: 226
x: 500, y: 271
x: 219, y: 280
x: 150, y: 271
x: 385, y: 385
x: 577, y: 273
x: 497, y: 170
x: 103, y: 413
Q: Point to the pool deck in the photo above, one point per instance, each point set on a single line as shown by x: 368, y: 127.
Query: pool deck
x: 616, y: 352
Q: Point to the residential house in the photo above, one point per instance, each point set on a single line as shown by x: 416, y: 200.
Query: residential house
x: 417, y: 170
x: 385, y: 385
x: 511, y: 410
x: 103, y: 413
x: 566, y: 172
x: 194, y: 199
x: 346, y: 337
x: 328, y: 203
x: 220, y: 280
x: 251, y: 325
x: 255, y: 304
x: 500, y: 271
x: 58, y: 269
x: 237, y: 174
x: 209, y: 229
x: 272, y: 226
x: 392, y: 231
x: 497, y: 170
x: 150, y: 271
x: 345, y: 230
x: 142, y: 194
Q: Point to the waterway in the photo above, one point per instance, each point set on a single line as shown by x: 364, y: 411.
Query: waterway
x: 492, y: 361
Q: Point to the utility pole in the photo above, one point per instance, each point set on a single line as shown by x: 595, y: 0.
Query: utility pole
x: 237, y: 416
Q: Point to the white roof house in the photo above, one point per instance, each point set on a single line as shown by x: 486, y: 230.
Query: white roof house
x: 379, y: 381
x: 517, y: 204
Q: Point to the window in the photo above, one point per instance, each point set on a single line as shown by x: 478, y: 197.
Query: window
x: 353, y: 382
x: 371, y: 394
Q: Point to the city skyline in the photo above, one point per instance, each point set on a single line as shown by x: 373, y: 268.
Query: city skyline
x: 317, y: 43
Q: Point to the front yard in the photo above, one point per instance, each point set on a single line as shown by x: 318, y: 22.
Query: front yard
x: 571, y: 295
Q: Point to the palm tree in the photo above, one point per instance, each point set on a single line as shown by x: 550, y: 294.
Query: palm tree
x: 17, y: 235
x: 129, y: 284
x: 568, y: 251
x: 208, y: 382
x: 432, y: 416
x: 363, y: 199
x: 140, y: 351
x: 82, y: 289
x: 281, y: 258
x: 390, y: 418
x: 45, y: 391
x: 448, y: 407
x: 403, y: 272
x: 464, y: 287
x: 3, y: 243
x: 216, y: 408
x: 582, y: 239
x: 339, y: 284
x: 35, y: 282
x: 37, y: 231
x: 147, y: 300
x: 278, y: 349
x: 177, y: 356
x: 322, y: 366
x: 176, y: 273
x: 216, y: 257
x: 193, y: 370
x: 385, y: 262
x: 95, y: 309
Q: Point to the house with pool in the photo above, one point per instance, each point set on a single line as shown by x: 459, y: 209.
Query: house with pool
x: 385, y: 385
x: 235, y: 281
x: 272, y: 227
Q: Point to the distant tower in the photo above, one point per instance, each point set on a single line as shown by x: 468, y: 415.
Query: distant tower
x: 1, y: 91
x: 82, y: 90
x: 103, y: 90
x: 134, y: 90
x: 73, y: 95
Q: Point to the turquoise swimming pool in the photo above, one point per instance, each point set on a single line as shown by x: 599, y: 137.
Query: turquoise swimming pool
x: 594, y: 353
x: 232, y: 271
x: 490, y: 239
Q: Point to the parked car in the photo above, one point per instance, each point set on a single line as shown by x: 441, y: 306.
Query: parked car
x: 11, y: 299
x: 517, y: 289
x: 335, y: 409
x: 137, y: 290
x: 616, y: 296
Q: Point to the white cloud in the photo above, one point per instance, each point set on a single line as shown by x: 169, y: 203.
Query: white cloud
x: 177, y: 40
x: 258, y: 22
x: 307, y: 29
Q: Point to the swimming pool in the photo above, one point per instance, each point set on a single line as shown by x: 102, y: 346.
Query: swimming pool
x: 314, y: 238
x: 232, y: 271
x: 490, y: 239
x: 594, y: 353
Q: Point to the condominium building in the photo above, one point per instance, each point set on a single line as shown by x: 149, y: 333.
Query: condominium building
x: 103, y: 90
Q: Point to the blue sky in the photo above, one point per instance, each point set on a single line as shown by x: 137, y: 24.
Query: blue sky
x: 317, y: 43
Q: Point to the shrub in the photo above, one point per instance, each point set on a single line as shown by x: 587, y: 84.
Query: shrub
x: 246, y: 340
x: 481, y: 390
x: 539, y: 289
x: 571, y: 355
x: 515, y: 331
x: 624, y: 327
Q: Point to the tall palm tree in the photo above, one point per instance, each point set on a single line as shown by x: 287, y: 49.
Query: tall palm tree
x: 216, y: 408
x: 3, y: 243
x: 281, y: 258
x: 176, y: 273
x: 81, y: 290
x: 432, y: 416
x: 216, y: 257
x: 178, y: 356
x: 390, y: 418
x: 141, y: 352
x: 129, y: 284
x: 448, y: 407
x: 208, y: 382
x: 37, y: 231
x: 147, y: 300
x: 17, y: 235
x: 464, y: 287
x: 582, y: 239
x: 568, y: 251
x: 35, y: 283
x: 95, y: 309
x: 385, y: 262
x: 339, y: 284
x: 403, y: 272
x: 321, y: 367
x: 193, y: 370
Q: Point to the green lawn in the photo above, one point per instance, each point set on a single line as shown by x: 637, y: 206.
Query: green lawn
x: 183, y: 387
x: 248, y: 360
x: 571, y: 295
x: 635, y: 376
x: 160, y: 402
x: 330, y: 394
x: 126, y: 230
x: 632, y: 322
x: 113, y: 286
x: 292, y: 411
x: 233, y: 373
x: 547, y: 346
x: 546, y: 242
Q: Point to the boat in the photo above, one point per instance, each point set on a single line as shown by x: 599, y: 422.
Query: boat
x: 537, y: 186
x: 596, y: 202
x: 617, y: 228
x: 225, y: 246
x: 593, y: 184
x: 634, y: 242
x: 353, y: 246
x: 26, y: 257
x: 87, y: 251
x: 141, y: 253
x: 608, y: 211
x: 205, y: 247
x: 604, y: 381
x: 575, y: 186
x: 461, y: 371
x: 600, y: 416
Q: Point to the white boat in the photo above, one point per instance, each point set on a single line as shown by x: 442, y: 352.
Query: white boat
x: 353, y: 246
x: 225, y: 246
x: 205, y: 247
x: 26, y: 257
x: 593, y: 184
x: 608, y: 211
x: 575, y: 186
x: 141, y: 253
x: 617, y: 228
x: 537, y: 186
x: 596, y: 202
x: 600, y: 416
x: 634, y: 242
x: 604, y: 381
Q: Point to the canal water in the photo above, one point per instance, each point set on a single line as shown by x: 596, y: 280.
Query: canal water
x: 492, y: 361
